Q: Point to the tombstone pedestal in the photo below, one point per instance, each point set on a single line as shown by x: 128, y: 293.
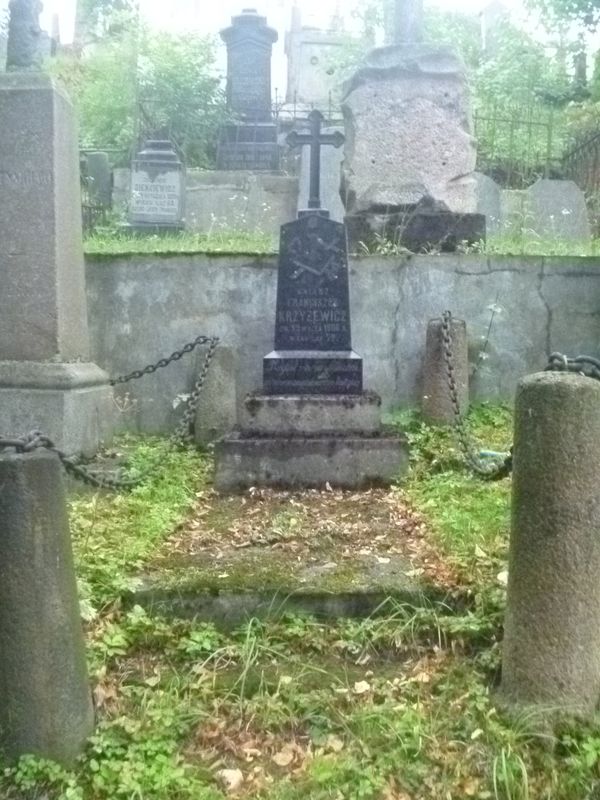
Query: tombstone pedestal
x: 305, y: 440
x: 46, y: 380
x: 313, y: 425
x: 71, y: 403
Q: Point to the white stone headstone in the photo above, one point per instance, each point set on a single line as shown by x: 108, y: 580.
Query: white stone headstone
x: 157, y: 187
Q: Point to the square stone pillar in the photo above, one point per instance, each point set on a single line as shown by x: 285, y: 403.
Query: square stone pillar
x: 46, y: 379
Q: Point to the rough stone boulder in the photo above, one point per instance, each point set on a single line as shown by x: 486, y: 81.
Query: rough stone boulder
x: 408, y: 131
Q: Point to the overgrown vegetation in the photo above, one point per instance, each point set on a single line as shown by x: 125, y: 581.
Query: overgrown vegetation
x: 134, y: 83
x: 396, y: 707
x: 111, y: 243
x: 219, y: 241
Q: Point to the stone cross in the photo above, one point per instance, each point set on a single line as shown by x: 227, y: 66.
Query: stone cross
x: 315, y: 139
x: 22, y: 49
x: 408, y: 21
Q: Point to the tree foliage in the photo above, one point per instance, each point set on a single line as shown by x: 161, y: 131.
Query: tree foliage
x: 584, y: 12
x: 135, y: 83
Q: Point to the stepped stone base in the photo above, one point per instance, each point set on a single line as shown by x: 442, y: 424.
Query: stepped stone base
x: 347, y: 462
x: 285, y: 415
x: 72, y: 403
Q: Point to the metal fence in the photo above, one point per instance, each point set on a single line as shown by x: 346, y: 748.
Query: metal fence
x: 518, y: 145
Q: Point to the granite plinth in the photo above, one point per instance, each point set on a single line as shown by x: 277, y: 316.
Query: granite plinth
x: 257, y: 157
x: 312, y: 372
x: 417, y: 231
x: 72, y: 403
x: 248, y: 147
x: 269, y: 415
x: 348, y: 462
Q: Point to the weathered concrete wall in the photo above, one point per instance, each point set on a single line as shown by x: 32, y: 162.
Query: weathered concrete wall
x: 143, y: 307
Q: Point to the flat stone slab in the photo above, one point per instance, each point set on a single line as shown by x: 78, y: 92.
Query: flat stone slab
x: 349, y: 462
x: 267, y: 415
x: 265, y: 552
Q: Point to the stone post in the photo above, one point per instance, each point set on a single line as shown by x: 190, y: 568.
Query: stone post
x: 46, y: 707
x: 436, y: 403
x: 551, y: 651
x: 46, y: 378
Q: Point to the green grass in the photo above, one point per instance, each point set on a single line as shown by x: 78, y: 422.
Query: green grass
x: 111, y: 243
x: 469, y: 516
x: 114, y: 533
x: 399, y: 706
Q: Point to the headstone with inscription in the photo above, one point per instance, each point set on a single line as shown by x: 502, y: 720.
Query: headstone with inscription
x: 313, y: 351
x: 313, y: 424
x: 250, y: 142
x: 46, y: 378
x: 157, y: 188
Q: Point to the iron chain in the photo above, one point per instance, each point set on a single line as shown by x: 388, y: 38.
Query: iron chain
x: 163, y: 362
x: 490, y: 470
x: 35, y: 440
x: 582, y: 365
x: 184, y: 432
x: 183, y: 435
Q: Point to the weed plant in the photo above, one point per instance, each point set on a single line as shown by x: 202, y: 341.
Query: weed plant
x: 399, y: 706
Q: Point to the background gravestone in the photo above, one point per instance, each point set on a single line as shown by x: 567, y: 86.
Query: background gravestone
x: 157, y: 188
x: 488, y: 201
x: 549, y: 209
x: 558, y: 209
x: 252, y: 142
x: 99, y: 179
x: 313, y: 57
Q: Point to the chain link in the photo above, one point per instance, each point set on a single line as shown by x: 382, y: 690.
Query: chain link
x: 491, y: 470
x: 581, y: 365
x: 163, y: 362
x: 183, y: 434
x: 36, y: 440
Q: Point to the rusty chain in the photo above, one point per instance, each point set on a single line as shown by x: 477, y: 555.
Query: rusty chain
x: 581, y: 365
x: 183, y: 434
x: 491, y: 470
x: 36, y: 440
x: 557, y: 362
x: 164, y: 362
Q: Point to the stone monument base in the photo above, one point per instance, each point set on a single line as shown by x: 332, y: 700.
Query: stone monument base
x: 418, y: 231
x: 248, y: 146
x: 304, y: 441
x: 71, y: 403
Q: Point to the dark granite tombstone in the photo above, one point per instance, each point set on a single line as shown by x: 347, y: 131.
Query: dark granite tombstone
x: 313, y: 351
x: 313, y: 425
x: 250, y: 143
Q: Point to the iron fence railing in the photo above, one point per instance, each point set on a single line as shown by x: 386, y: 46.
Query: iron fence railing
x: 518, y: 145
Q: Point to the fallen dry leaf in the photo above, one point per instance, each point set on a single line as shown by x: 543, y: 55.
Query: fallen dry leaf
x: 361, y: 687
x: 285, y: 756
x: 231, y: 779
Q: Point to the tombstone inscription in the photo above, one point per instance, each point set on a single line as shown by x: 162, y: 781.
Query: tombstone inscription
x: 313, y: 351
